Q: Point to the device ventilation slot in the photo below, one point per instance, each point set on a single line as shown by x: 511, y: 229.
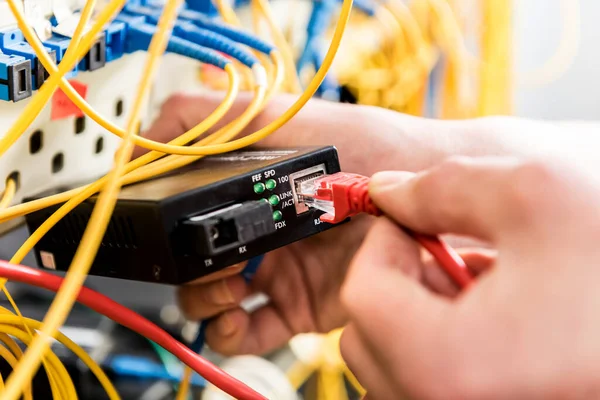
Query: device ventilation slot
x: 119, y: 234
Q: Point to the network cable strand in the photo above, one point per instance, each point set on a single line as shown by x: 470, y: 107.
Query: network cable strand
x: 10, y: 189
x: 40, y: 99
x: 344, y: 195
x: 98, y: 221
x: 130, y: 319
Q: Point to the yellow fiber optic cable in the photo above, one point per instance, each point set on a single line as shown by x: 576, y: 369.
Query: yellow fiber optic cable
x: 98, y: 222
x: 292, y: 80
x: 9, y: 193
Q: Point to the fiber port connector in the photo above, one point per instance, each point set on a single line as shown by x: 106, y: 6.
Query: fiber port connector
x: 230, y: 227
x: 296, y: 180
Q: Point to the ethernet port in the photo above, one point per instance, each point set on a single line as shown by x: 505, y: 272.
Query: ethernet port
x: 302, y: 176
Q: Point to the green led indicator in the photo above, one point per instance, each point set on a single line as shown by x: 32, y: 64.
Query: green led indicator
x: 259, y: 187
x: 277, y: 215
x: 274, y: 200
x: 271, y: 184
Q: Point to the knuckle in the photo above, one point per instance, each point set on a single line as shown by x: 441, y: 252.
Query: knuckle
x: 530, y: 186
x: 442, y: 187
x: 348, y: 297
x: 174, y: 103
x: 186, y: 302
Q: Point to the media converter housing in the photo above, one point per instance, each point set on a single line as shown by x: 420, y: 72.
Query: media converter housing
x: 178, y: 227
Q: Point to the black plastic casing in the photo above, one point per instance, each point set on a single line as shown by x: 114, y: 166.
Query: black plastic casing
x: 19, y: 81
x: 148, y: 238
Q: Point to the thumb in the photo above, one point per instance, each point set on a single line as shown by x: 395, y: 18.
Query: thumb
x: 472, y: 197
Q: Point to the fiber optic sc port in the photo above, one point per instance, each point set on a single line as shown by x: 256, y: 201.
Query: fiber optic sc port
x: 231, y: 227
x: 301, y: 176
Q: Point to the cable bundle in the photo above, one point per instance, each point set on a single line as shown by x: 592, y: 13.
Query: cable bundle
x: 421, y: 60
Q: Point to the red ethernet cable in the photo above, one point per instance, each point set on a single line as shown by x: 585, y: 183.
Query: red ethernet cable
x: 343, y: 195
x: 130, y: 319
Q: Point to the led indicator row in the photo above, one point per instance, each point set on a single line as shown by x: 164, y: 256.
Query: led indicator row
x: 260, y: 187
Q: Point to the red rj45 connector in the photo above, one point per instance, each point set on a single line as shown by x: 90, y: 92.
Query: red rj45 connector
x: 343, y: 195
x: 340, y: 195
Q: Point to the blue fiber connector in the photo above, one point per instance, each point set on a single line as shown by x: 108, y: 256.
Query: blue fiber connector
x: 139, y: 35
x: 215, y: 41
x: 12, y: 42
x: 145, y: 368
x: 60, y: 44
x: 115, y: 41
x: 15, y: 77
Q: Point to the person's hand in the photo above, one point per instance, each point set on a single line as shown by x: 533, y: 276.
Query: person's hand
x: 302, y: 280
x: 528, y: 328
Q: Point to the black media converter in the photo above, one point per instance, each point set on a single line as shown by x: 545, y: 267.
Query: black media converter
x: 219, y: 211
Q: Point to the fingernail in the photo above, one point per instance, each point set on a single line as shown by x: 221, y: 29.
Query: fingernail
x: 388, y: 180
x: 225, y: 325
x: 219, y: 294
